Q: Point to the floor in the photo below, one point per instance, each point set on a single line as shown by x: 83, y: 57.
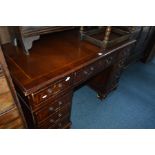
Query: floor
x: 131, y: 106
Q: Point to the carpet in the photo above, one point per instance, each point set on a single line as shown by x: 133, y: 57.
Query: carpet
x: 131, y: 106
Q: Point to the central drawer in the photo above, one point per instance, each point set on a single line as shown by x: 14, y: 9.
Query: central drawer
x: 52, y: 107
x: 90, y: 70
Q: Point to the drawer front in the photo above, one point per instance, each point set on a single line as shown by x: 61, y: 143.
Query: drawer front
x: 85, y: 73
x: 63, y: 123
x: 52, y: 90
x: 52, y: 107
x: 55, y: 118
x: 88, y: 71
x: 79, y: 76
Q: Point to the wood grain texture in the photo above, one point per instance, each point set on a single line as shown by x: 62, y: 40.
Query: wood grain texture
x: 10, y: 116
x: 52, y: 57
x: 6, y: 102
x: 3, y: 85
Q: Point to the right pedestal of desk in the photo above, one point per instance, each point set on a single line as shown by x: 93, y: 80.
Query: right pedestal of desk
x: 107, y: 81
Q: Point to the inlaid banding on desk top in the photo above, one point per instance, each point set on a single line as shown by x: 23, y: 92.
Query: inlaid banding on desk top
x: 53, y: 57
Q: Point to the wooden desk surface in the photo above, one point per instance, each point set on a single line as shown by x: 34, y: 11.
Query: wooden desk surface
x: 52, y: 57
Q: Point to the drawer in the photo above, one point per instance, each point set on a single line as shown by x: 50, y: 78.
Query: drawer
x: 52, y: 107
x: 54, y: 89
x: 79, y: 76
x: 55, y: 118
x: 63, y: 123
x: 109, y: 60
x: 88, y: 71
x: 85, y: 73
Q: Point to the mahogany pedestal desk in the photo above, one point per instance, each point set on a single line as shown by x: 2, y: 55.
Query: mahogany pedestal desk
x: 58, y: 63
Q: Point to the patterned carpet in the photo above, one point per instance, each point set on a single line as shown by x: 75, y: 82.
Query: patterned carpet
x: 132, y: 105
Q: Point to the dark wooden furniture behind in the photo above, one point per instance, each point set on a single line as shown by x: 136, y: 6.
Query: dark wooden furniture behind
x: 149, y: 51
x: 25, y: 35
x: 141, y: 50
x: 112, y: 35
x: 58, y: 63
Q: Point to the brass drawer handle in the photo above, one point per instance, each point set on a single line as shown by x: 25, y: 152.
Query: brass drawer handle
x: 43, y: 97
x: 100, y: 53
x: 56, y: 109
x: 60, y: 103
x: 109, y: 60
x: 85, y: 72
x: 51, y: 108
x: 49, y: 90
x: 51, y: 120
x: 60, y: 85
x: 60, y: 115
x: 121, y: 64
x: 91, y: 68
x: 67, y: 78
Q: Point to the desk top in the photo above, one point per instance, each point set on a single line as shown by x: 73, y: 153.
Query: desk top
x: 52, y: 56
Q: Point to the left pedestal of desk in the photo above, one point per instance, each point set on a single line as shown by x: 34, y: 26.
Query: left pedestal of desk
x: 49, y: 107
